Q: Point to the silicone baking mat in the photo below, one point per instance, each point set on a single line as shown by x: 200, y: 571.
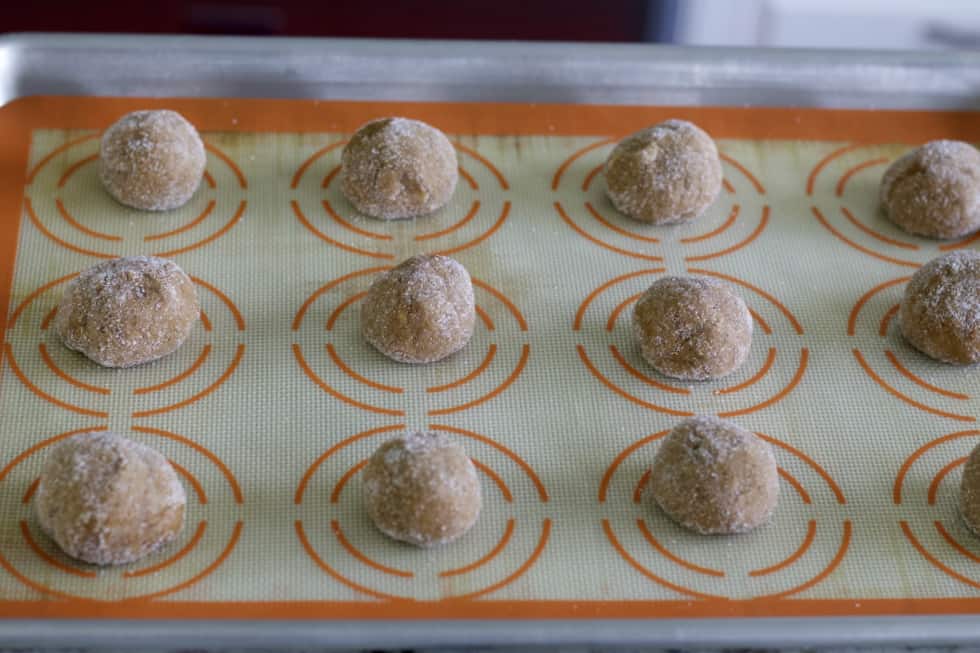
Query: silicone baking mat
x: 272, y: 406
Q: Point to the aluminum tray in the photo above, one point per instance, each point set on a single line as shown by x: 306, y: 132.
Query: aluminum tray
x: 499, y: 72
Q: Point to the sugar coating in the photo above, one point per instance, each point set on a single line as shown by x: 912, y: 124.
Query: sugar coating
x: 969, y: 501
x: 940, y: 312
x: 934, y: 191
x: 128, y: 311
x: 396, y: 168
x: 692, y: 328
x: 107, y: 500
x: 422, y: 488
x: 152, y: 160
x: 664, y: 174
x: 421, y: 311
x: 715, y: 478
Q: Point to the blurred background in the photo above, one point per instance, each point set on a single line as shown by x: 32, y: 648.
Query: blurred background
x: 878, y: 24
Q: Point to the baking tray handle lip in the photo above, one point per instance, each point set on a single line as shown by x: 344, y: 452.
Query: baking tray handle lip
x: 445, y: 49
x: 770, y: 632
x: 506, y: 71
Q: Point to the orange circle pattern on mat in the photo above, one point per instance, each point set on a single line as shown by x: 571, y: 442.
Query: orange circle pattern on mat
x: 327, y: 340
x: 610, y: 355
x: 62, y: 378
x: 479, y: 207
x: 644, y: 537
x: 889, y: 364
x: 67, y: 174
x: 207, y: 540
x: 851, y: 175
x: 730, y: 224
x: 930, y: 521
x: 372, y: 565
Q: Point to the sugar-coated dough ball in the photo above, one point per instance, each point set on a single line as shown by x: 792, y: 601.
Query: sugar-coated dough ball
x: 152, y: 160
x: 970, y: 492
x: 107, y: 500
x: 396, y: 168
x: 421, y: 311
x: 940, y: 313
x: 423, y: 489
x: 715, y: 478
x: 934, y: 191
x: 665, y: 174
x: 692, y: 328
x: 128, y: 311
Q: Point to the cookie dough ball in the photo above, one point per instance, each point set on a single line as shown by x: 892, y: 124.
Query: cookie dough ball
x: 940, y: 313
x: 152, y: 160
x: 934, y: 191
x: 128, y: 311
x: 970, y: 492
x: 421, y: 311
x: 715, y: 478
x: 665, y: 174
x: 692, y: 328
x: 423, y: 489
x: 398, y: 168
x: 107, y: 500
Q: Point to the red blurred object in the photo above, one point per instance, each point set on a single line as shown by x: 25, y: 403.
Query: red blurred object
x: 571, y: 20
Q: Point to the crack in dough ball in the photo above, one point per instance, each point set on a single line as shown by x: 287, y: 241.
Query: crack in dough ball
x: 128, y: 311
x: 107, y: 500
x: 397, y: 168
x: 940, y: 312
x: 715, y: 478
x: 423, y: 489
x: 934, y: 191
x: 152, y: 160
x: 692, y: 328
x: 421, y: 311
x: 665, y: 174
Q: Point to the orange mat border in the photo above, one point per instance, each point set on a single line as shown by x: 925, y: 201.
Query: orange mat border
x: 483, y: 609
x: 19, y: 118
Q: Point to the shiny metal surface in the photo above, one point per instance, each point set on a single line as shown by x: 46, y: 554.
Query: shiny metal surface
x: 52, y: 64
x: 701, y: 633
x: 498, y: 72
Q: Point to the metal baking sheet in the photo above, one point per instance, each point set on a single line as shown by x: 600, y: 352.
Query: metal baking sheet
x: 564, y: 74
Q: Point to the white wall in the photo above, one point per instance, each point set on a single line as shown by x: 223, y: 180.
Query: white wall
x: 879, y: 24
